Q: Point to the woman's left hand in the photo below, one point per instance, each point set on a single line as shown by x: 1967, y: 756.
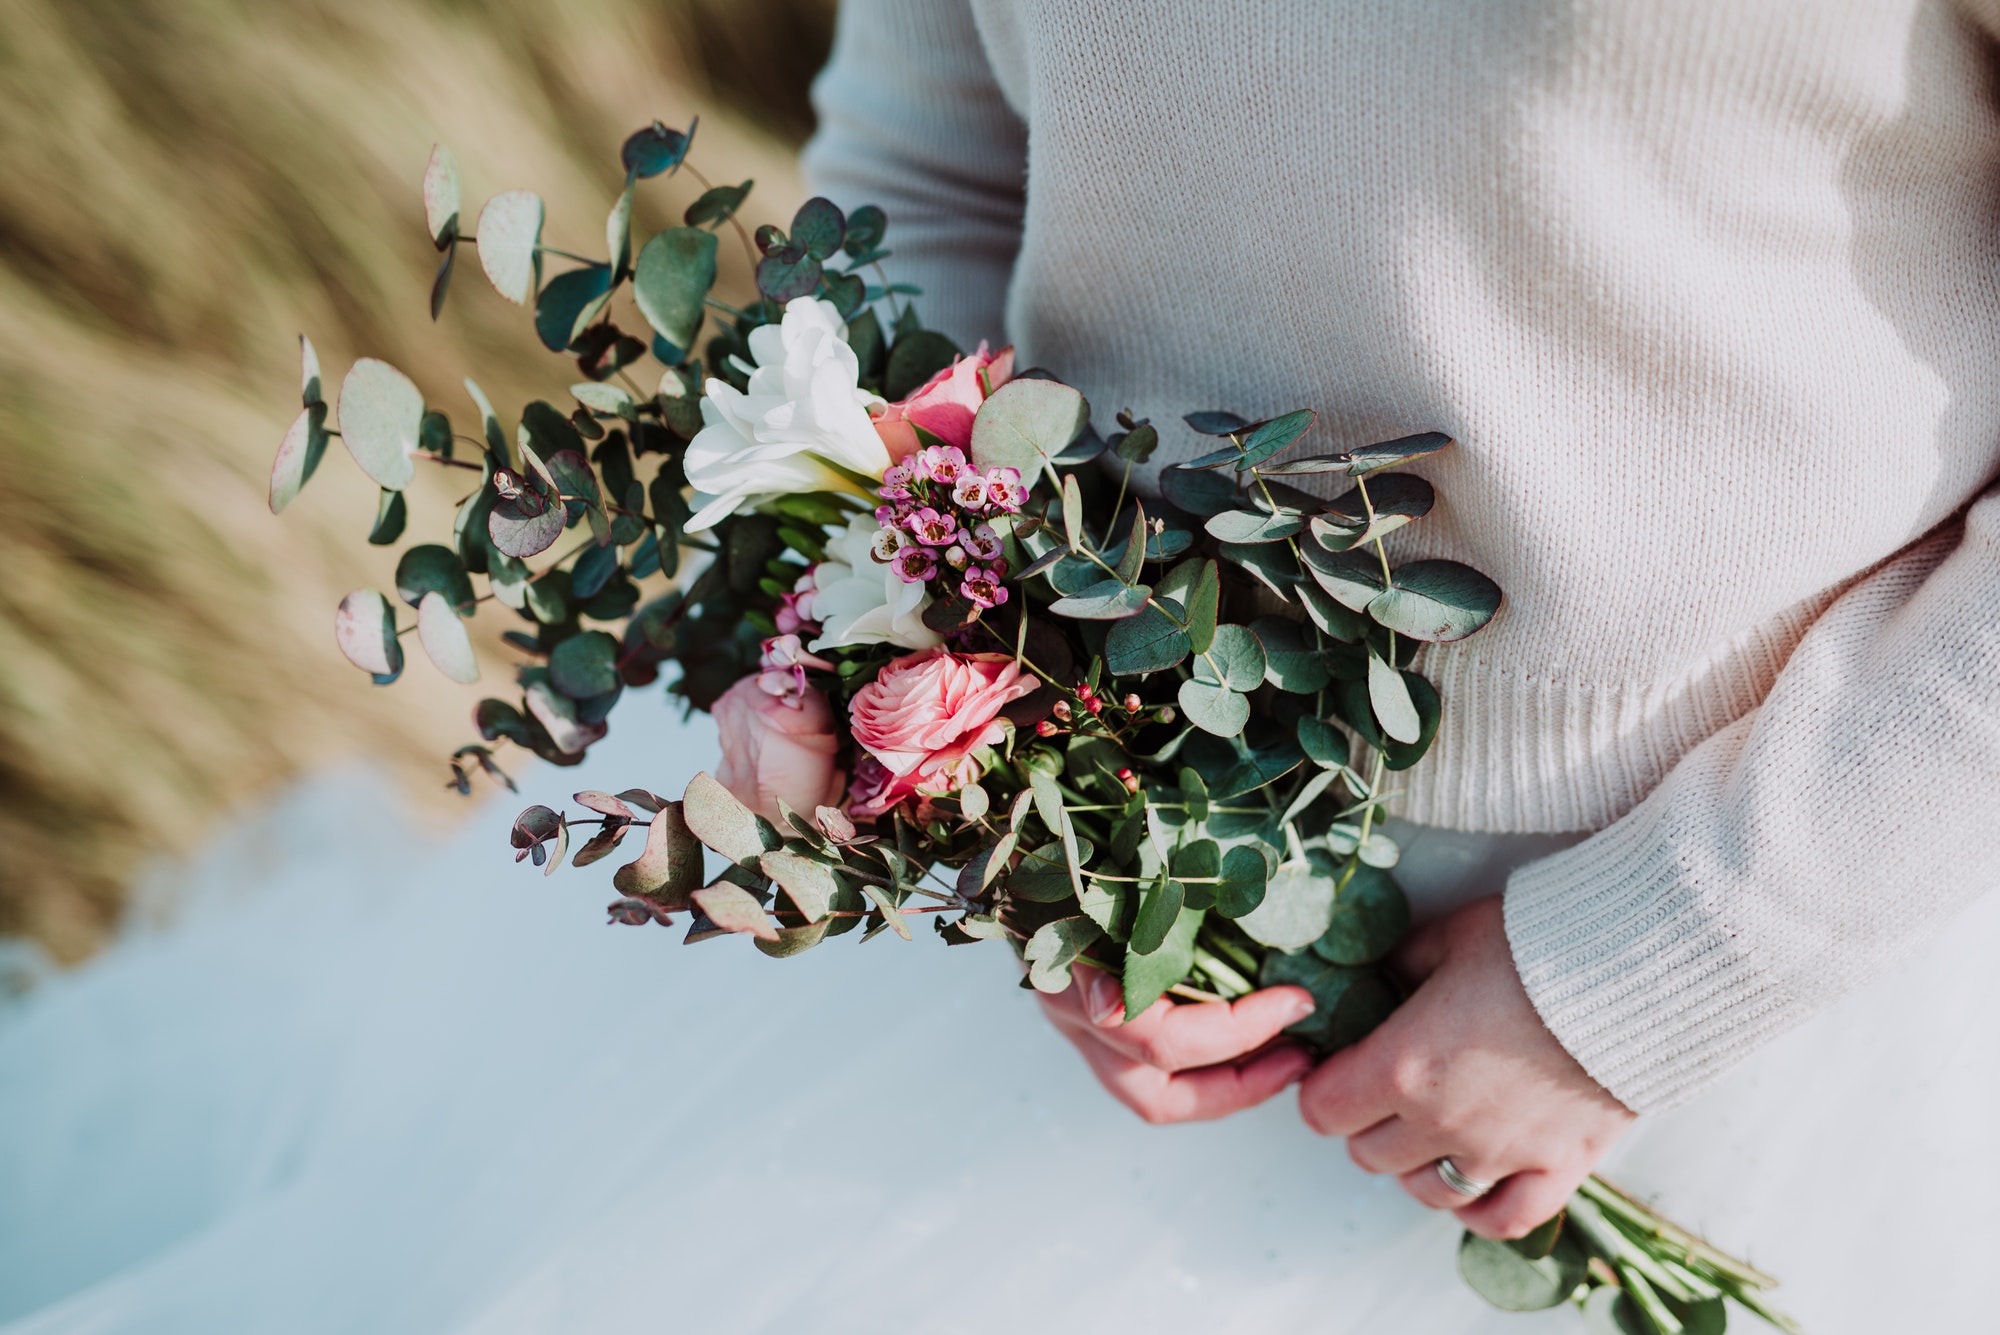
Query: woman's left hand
x: 1466, y: 1069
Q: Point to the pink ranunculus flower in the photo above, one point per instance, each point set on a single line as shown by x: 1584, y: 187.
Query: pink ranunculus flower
x: 777, y: 747
x: 924, y: 716
x: 946, y: 404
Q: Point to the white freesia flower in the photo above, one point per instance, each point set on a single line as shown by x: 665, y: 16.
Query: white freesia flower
x: 805, y: 409
x: 859, y: 600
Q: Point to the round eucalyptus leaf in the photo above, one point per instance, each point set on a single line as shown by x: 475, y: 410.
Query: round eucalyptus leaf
x: 585, y: 665
x: 1253, y: 526
x: 444, y: 639
x: 1148, y: 641
x: 434, y: 568
x: 865, y: 228
x: 568, y: 298
x: 298, y: 456
x: 381, y: 419
x: 1245, y: 875
x: 1214, y: 709
x: 656, y: 148
x: 1026, y: 423
x: 1389, y: 697
x: 717, y: 204
x: 787, y: 274
x: 441, y: 196
x: 510, y: 244
x: 1512, y: 1282
x: 1298, y: 904
x: 1370, y: 916
x: 1215, y: 422
x: 672, y: 278
x: 1235, y: 658
x: 1199, y: 492
x: 1290, y: 663
x: 524, y: 525
x: 1106, y: 600
x: 819, y: 227
x: 365, y: 629
x: 1324, y: 744
x: 1436, y: 601
x: 603, y: 398
x: 1353, y: 578
x: 392, y: 512
x: 921, y: 354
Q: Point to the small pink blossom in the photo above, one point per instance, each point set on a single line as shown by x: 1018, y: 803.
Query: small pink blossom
x: 955, y: 557
x: 969, y: 491
x: 915, y: 564
x: 942, y: 463
x: 887, y: 542
x: 932, y: 528
x: 983, y: 588
x: 794, y: 614
x: 776, y: 749
x: 1004, y: 490
x: 923, y: 719
x: 981, y: 544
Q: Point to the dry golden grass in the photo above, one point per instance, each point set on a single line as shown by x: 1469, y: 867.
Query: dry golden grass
x: 184, y: 185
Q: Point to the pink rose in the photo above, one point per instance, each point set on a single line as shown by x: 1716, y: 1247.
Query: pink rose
x: 777, y: 747
x: 946, y: 404
x: 922, y: 718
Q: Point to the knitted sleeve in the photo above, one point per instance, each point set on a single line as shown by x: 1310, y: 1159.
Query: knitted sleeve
x: 912, y: 119
x: 1796, y: 853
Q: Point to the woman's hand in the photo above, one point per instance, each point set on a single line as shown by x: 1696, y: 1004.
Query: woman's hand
x: 1183, y: 1063
x: 1466, y: 1069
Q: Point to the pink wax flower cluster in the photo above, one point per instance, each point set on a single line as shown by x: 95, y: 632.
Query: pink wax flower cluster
x: 934, y: 522
x: 921, y: 721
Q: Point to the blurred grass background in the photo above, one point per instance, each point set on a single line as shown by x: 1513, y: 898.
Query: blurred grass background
x: 185, y: 185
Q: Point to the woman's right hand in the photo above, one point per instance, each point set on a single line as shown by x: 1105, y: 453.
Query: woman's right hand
x: 1190, y: 1062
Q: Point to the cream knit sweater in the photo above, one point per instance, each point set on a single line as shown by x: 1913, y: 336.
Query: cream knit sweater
x: 1709, y: 295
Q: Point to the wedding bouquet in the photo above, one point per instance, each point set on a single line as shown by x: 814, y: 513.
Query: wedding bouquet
x: 962, y: 670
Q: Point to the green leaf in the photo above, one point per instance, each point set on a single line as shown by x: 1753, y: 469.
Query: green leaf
x: 1106, y: 600
x: 669, y: 870
x: 1134, y: 558
x: 915, y: 358
x: 1228, y: 454
x: 510, y: 244
x: 672, y: 278
x: 717, y: 204
x: 430, y: 568
x: 1234, y: 658
x: 1137, y: 445
x: 523, y: 526
x: 1316, y: 463
x: 1436, y: 601
x: 1103, y: 902
x: 807, y: 883
x: 865, y: 227
x: 1272, y: 563
x: 1197, y: 861
x: 1298, y: 904
x: 1333, y: 618
x: 1147, y: 641
x: 570, y: 300
x: 1214, y: 709
x: 1541, y: 1240
x: 585, y: 665
x: 1203, y: 600
x: 656, y: 148
x: 365, y: 629
x: 618, y: 230
x: 1354, y: 579
x: 298, y: 456
x: 1514, y: 1283
x: 1402, y: 755
x: 1389, y: 696
x: 1370, y: 916
x: 603, y: 398
x: 1392, y: 452
x: 1252, y: 526
x: 1291, y: 665
x: 1267, y: 438
x: 444, y: 639
x: 1159, y: 909
x: 1258, y: 768
x: 1245, y: 878
x: 310, y: 393
x: 1072, y: 512
x: 725, y: 824
x: 1348, y: 1003
x: 1397, y: 499
x: 819, y: 226
x: 787, y: 273
x: 1026, y: 423
x: 381, y: 416
x: 1198, y: 491
x: 1324, y: 744
x: 1042, y: 876
x: 734, y: 909
x: 1054, y: 947
x: 441, y: 196
x: 392, y: 512
x: 1148, y: 976
x: 1215, y: 422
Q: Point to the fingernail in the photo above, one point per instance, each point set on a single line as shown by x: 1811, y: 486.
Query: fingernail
x: 1299, y: 1009
x: 1106, y: 999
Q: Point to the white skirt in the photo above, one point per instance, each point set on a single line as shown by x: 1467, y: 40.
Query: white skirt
x: 365, y: 1084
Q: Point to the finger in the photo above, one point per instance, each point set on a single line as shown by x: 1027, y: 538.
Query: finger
x: 1395, y: 1145
x: 1198, y: 1096
x: 1428, y: 1188
x: 1350, y: 1091
x: 1180, y: 1037
x: 1515, y: 1207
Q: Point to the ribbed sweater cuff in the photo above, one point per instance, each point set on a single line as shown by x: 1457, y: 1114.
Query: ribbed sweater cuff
x: 1633, y: 969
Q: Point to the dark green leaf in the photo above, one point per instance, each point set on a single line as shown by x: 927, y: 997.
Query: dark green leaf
x: 1214, y: 709
x: 392, y: 512
x: 434, y: 568
x: 1267, y: 438
x: 656, y: 149
x: 585, y: 665
x: 1291, y: 664
x: 1025, y: 424
x: 672, y: 278
x: 1054, y: 947
x: 1234, y: 658
x: 820, y: 227
x: 1392, y: 452
x: 1221, y: 458
x: 567, y: 299
x: 914, y: 359
x: 441, y: 283
x: 1370, y: 916
x: 1316, y: 463
x: 1341, y: 623
x: 1271, y: 562
x: 1512, y: 1282
x: 1245, y: 874
x: 786, y: 274
x: 1042, y: 875
x: 1198, y: 491
x: 1324, y: 744
x: 1134, y: 557
x: 1203, y: 600
x: 1396, y: 498
x: 525, y: 525
x: 1215, y: 423
x: 1147, y: 641
x: 1159, y: 909
x: 299, y: 456
x: 1148, y: 976
x: 1137, y: 445
x: 1258, y: 768
x: 1168, y: 543
x: 716, y: 204
x: 1353, y: 578
x: 1436, y: 601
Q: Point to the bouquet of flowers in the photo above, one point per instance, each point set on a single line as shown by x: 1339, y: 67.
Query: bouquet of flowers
x: 962, y: 670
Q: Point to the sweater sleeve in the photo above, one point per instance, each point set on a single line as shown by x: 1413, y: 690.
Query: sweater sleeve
x: 1795, y: 854
x: 912, y: 119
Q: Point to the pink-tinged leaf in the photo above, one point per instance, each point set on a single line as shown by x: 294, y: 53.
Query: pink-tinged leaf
x: 298, y: 456
x: 601, y: 845
x: 562, y: 847
x: 441, y: 196
x: 557, y: 714
x: 734, y: 909
x: 365, y: 629
x: 311, y: 395
x: 670, y: 869
x: 834, y: 824
x: 605, y: 804
x: 642, y: 799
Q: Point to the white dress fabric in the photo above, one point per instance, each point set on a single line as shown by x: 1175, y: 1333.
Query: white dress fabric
x: 363, y: 1083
